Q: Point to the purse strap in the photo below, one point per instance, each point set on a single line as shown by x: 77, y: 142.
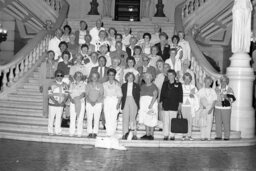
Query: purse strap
x: 179, y: 114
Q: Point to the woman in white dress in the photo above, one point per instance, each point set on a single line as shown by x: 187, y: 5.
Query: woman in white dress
x: 190, y: 103
x: 112, y: 99
x: 207, y: 98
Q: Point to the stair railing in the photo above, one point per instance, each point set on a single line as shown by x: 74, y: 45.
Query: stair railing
x: 29, y: 57
x: 199, y: 63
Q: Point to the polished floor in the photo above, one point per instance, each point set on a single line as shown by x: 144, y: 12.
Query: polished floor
x: 31, y: 156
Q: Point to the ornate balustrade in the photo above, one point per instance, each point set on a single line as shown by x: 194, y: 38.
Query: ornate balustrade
x: 54, y: 4
x: 28, y: 58
x: 191, y: 6
x: 199, y: 63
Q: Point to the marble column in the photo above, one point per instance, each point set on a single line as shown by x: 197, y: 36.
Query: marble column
x: 241, y: 77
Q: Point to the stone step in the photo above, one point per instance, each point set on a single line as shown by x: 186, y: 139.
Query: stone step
x: 33, y: 80
x: 29, y: 98
x: 42, y: 128
x: 23, y: 119
x: 43, y: 137
x: 31, y: 86
x: 21, y: 112
x: 21, y: 104
x: 32, y: 92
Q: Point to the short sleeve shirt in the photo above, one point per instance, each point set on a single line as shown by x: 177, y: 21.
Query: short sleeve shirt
x: 148, y: 90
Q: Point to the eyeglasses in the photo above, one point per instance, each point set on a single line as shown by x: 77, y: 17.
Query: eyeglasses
x: 59, y: 75
x: 111, y: 74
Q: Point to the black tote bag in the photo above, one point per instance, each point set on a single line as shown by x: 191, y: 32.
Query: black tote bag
x: 179, y: 124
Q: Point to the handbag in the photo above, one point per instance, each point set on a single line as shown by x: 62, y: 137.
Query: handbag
x: 179, y: 124
x: 150, y: 118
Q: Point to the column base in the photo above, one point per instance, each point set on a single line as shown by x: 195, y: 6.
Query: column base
x: 241, y: 78
x: 159, y: 19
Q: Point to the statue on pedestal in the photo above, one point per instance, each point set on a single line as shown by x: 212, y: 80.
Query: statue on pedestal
x: 94, y: 8
x: 160, y: 9
x: 241, y: 30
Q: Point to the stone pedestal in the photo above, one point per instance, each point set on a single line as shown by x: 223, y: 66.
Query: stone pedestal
x: 160, y: 19
x: 241, y: 80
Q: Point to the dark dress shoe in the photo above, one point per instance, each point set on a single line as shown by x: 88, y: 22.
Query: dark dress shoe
x: 134, y: 137
x: 165, y: 138
x: 144, y: 137
x: 104, y: 127
x: 226, y: 139
x: 218, y: 138
x: 160, y: 129
x: 172, y: 138
x: 89, y: 136
x: 94, y: 135
x: 125, y: 136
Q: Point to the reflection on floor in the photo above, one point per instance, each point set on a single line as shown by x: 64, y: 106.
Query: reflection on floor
x: 30, y: 156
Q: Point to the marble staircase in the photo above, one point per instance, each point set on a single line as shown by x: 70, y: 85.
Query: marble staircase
x: 21, y: 118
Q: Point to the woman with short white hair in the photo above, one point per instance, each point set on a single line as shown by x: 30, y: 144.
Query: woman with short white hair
x: 222, y: 109
x: 207, y: 98
x: 77, y: 105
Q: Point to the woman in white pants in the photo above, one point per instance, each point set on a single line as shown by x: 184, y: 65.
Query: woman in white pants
x: 207, y: 97
x: 112, y: 98
x: 94, y: 95
x: 57, y: 98
x: 77, y: 105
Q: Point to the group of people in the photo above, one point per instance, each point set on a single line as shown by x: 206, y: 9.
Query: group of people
x: 144, y: 77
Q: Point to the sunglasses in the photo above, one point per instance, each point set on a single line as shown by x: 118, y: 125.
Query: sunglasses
x: 59, y: 75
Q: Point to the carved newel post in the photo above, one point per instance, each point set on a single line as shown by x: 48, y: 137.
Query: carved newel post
x: 94, y: 8
x: 240, y: 72
x: 160, y: 9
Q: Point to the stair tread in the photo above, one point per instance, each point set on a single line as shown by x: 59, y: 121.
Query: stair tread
x: 44, y: 137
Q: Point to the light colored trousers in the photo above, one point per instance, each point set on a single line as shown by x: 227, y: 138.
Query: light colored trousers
x: 168, y: 115
x: 222, y: 116
x: 55, y: 112
x: 93, y: 113
x: 74, y: 118
x: 186, y: 113
x: 45, y: 85
x: 111, y: 113
x: 206, y: 130
x: 129, y: 114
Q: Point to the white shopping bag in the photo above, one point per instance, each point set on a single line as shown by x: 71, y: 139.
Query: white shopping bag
x: 108, y: 142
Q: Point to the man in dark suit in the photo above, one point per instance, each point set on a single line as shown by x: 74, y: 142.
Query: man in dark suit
x: 163, y: 46
x: 101, y: 69
x: 146, y: 68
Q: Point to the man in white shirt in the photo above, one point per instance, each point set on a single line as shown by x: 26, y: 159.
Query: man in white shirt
x: 185, y: 46
x: 126, y: 36
x: 54, y: 44
x: 94, y: 32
